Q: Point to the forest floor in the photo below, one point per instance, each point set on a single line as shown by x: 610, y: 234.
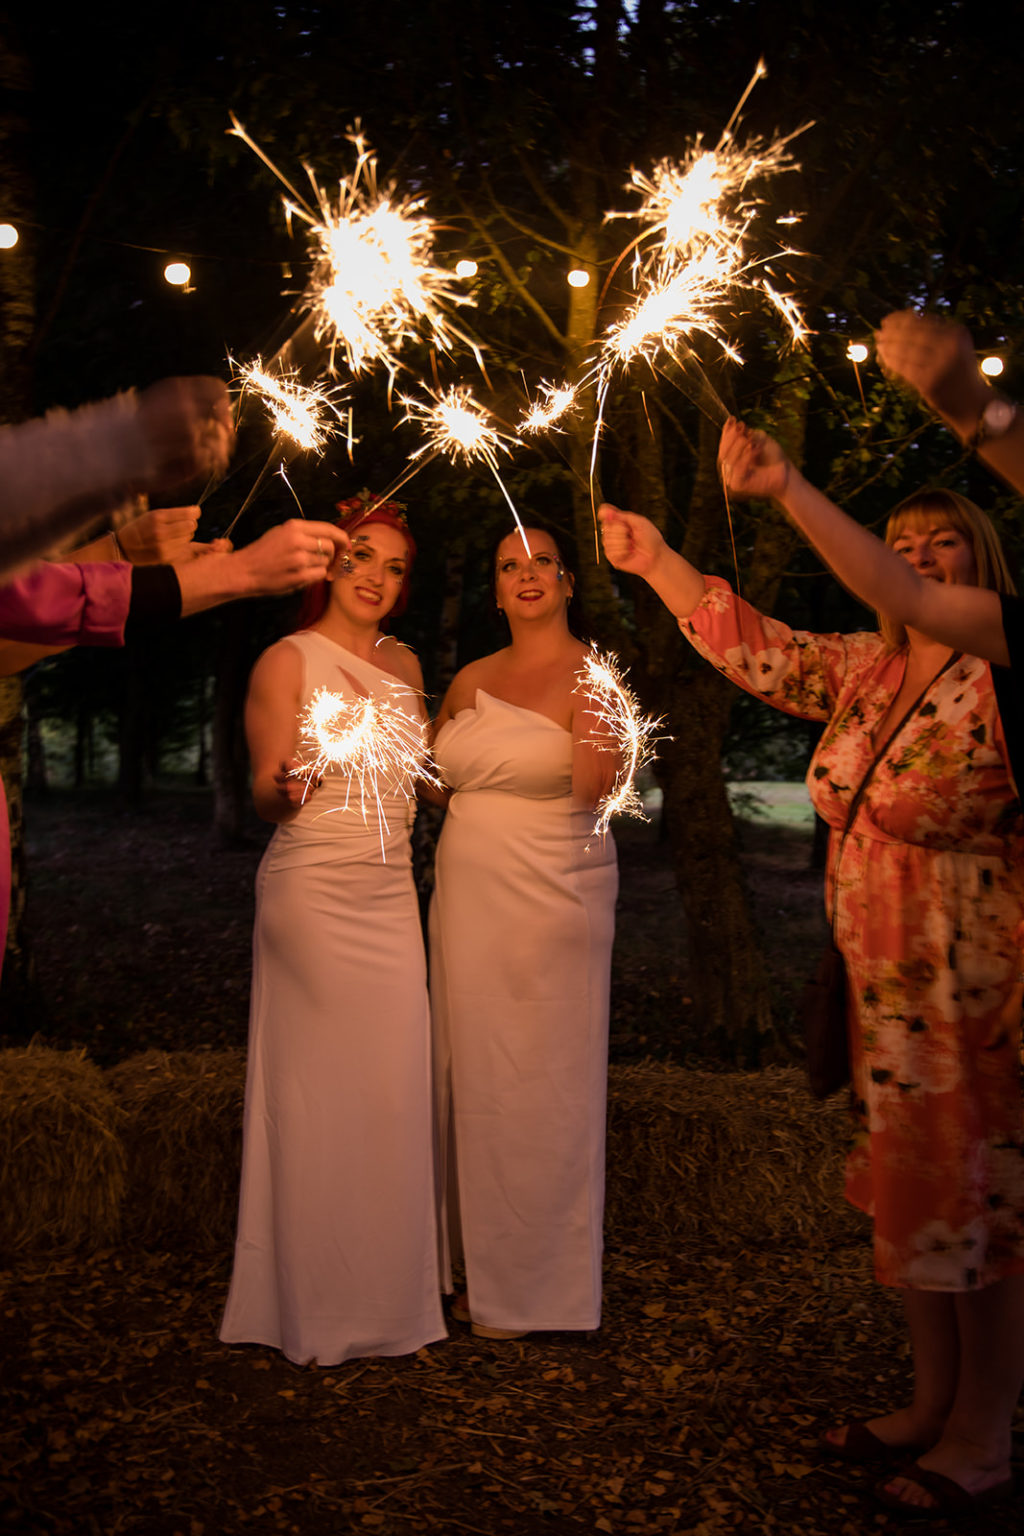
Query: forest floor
x: 693, y: 1410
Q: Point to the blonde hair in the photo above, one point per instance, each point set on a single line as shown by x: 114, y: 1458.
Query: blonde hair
x: 946, y: 509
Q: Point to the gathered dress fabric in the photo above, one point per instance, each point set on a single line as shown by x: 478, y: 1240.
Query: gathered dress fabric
x: 521, y: 930
x: 336, y: 1254
x: 926, y: 892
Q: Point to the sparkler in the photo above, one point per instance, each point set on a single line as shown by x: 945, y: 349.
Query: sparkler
x: 372, y: 740
x: 695, y: 250
x: 632, y: 734
x: 457, y: 426
x: 375, y: 285
x: 301, y: 414
x: 556, y: 401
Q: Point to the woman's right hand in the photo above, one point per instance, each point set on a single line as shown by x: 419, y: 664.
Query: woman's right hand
x: 751, y: 463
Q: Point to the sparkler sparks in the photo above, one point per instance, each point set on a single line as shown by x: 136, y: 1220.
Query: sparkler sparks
x: 373, y: 741
x: 556, y: 401
x: 375, y: 285
x: 697, y: 249
x: 457, y: 426
x: 633, y: 734
x: 301, y: 413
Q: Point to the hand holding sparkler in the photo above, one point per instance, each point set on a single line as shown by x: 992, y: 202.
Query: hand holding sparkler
x: 632, y: 543
x: 751, y: 463
x: 157, y: 536
x: 936, y: 358
x: 294, y: 784
x: 187, y: 428
x: 289, y: 556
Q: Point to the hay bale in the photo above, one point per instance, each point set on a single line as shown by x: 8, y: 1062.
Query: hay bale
x: 182, y: 1130
x: 62, y: 1168
x: 735, y: 1157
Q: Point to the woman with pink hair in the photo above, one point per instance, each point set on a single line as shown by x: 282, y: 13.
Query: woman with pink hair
x: 336, y: 1254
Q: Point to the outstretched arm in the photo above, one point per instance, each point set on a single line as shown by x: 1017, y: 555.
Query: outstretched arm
x: 937, y: 359
x: 63, y: 471
x: 967, y: 618
x: 633, y: 544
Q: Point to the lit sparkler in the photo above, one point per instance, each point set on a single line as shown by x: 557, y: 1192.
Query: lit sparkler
x: 377, y: 744
x: 632, y: 734
x: 696, y: 249
x: 556, y: 401
x: 301, y: 413
x: 458, y: 427
x: 375, y: 285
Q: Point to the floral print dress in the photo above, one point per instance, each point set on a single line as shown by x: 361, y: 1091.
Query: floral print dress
x: 926, y: 894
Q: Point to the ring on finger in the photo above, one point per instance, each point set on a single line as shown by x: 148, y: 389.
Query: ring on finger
x: 319, y: 546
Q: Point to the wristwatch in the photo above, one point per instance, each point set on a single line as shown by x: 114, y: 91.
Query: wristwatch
x: 994, y: 422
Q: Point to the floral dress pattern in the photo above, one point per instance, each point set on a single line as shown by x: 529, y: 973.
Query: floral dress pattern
x: 926, y: 892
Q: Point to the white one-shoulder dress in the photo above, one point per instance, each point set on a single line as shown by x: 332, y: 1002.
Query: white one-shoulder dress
x: 521, y: 932
x: 336, y: 1254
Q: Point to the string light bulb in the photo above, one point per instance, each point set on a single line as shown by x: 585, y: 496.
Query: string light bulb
x: 178, y: 274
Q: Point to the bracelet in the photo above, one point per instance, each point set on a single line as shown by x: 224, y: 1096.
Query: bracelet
x: 995, y: 420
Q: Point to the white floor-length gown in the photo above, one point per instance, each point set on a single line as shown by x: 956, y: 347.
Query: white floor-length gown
x: 336, y: 1255
x: 520, y: 941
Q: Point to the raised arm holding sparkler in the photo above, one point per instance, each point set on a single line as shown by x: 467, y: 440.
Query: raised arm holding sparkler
x: 967, y: 617
x: 521, y: 931
x: 337, y: 1249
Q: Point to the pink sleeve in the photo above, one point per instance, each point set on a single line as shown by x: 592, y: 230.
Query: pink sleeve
x: 68, y: 605
x: 791, y: 669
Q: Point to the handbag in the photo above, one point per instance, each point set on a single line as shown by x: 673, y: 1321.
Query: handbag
x: 823, y: 1004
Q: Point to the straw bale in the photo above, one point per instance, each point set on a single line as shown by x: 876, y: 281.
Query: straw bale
x: 736, y: 1157
x: 62, y: 1167
x: 183, y: 1135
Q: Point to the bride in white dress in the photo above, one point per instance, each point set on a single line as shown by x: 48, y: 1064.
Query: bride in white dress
x: 520, y: 950
x: 336, y: 1254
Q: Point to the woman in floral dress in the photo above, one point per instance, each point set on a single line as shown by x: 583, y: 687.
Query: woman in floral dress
x: 925, y: 890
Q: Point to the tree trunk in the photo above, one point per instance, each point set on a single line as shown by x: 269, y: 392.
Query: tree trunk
x: 728, y: 983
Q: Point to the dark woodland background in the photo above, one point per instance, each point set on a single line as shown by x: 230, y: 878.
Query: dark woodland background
x: 519, y: 123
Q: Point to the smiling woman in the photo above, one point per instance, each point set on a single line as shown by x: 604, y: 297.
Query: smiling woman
x: 520, y: 942
x: 336, y: 1254
x: 925, y: 891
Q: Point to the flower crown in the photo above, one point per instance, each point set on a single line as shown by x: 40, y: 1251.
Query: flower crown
x: 367, y: 501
